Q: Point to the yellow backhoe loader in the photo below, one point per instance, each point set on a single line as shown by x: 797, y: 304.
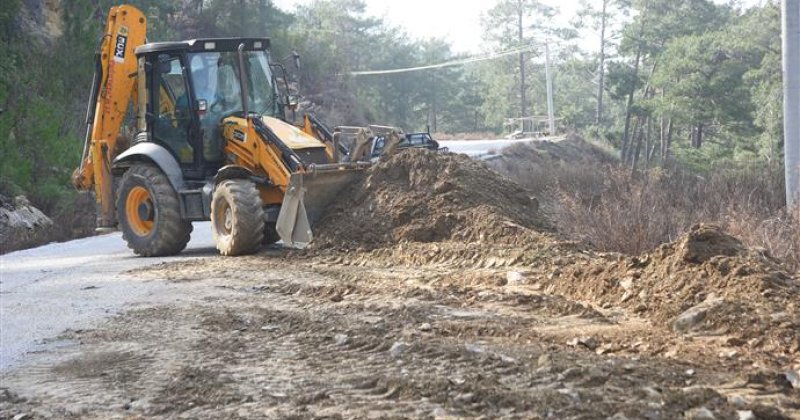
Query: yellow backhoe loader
x: 212, y: 142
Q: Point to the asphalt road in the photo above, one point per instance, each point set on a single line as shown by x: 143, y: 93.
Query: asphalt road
x: 46, y: 290
x: 479, y: 148
x: 60, y: 286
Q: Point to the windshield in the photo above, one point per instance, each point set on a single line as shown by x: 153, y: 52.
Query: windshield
x: 215, y: 79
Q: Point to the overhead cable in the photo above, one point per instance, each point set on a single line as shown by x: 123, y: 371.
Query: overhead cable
x: 448, y: 63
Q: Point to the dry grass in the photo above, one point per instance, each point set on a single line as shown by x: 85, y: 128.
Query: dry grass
x: 607, y: 207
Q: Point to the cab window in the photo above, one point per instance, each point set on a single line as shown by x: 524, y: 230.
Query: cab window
x: 172, y: 109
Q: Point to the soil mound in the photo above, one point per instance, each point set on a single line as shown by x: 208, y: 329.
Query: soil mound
x: 706, y: 282
x: 574, y: 149
x: 423, y: 196
x: 705, y: 242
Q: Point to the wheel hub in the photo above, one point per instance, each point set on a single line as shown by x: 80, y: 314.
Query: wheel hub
x: 140, y: 211
x: 146, y: 212
x: 228, y: 219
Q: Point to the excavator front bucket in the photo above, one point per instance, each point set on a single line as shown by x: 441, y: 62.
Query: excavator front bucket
x: 307, y: 197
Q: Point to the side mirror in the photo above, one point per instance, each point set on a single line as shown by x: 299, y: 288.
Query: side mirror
x: 292, y: 102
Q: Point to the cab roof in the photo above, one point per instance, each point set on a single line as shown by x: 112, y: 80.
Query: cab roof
x: 205, y: 45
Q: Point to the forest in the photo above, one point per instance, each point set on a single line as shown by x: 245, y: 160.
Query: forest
x: 690, y: 83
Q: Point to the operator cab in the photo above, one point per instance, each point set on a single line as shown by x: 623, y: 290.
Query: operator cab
x: 193, y: 85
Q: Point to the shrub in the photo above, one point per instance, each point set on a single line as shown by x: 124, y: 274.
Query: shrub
x: 614, y: 210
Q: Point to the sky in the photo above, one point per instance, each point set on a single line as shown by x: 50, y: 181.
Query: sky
x: 457, y: 21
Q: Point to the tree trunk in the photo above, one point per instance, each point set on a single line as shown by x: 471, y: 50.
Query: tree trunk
x: 602, y: 67
x: 697, y: 136
x: 629, y: 105
x: 665, y: 158
x: 642, y: 122
x: 627, y: 157
x: 647, y: 132
x: 651, y: 155
x: 666, y: 136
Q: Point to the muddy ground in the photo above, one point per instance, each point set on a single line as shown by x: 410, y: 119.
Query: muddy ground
x: 363, y: 335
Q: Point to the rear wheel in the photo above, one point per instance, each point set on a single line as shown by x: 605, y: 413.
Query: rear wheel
x: 148, y: 210
x: 237, y: 218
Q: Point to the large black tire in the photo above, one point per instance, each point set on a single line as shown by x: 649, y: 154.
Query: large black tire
x: 237, y: 218
x: 148, y: 210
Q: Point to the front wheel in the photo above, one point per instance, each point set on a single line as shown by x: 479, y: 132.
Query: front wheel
x: 148, y: 210
x: 237, y: 217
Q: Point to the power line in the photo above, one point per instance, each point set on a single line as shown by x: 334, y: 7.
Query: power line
x: 453, y: 63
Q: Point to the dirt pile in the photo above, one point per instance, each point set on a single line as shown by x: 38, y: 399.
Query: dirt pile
x: 537, y: 155
x: 706, y: 282
x: 423, y: 196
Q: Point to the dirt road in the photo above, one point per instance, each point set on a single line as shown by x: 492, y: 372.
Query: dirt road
x: 285, y: 335
x: 442, y: 292
x: 46, y: 290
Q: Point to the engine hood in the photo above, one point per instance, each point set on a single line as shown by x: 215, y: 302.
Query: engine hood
x: 292, y: 136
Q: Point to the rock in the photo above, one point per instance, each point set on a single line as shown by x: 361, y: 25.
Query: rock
x: 398, y: 348
x: 691, y: 318
x: 515, y: 277
x: 425, y: 327
x: 141, y: 405
x: 651, y: 393
x: 440, y: 413
x: 746, y: 415
x: 689, y: 372
x: 626, y: 296
x: 474, y: 348
x: 465, y: 398
x: 699, y: 413
x: 341, y: 339
x: 588, y: 342
x: 768, y: 412
x: 574, y: 395
x: 794, y: 378
x: 21, y: 224
x: 738, y: 401
x: 22, y: 416
x: 626, y: 283
x: 728, y: 354
x: 545, y: 361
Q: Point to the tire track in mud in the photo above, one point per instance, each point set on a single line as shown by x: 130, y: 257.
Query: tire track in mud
x: 323, y: 340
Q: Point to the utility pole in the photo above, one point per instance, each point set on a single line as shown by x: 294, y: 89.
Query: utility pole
x: 549, y: 79
x: 521, y: 29
x: 791, y: 99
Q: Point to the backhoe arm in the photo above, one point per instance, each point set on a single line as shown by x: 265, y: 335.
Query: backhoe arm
x: 113, y: 88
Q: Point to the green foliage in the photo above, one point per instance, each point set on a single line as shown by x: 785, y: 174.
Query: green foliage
x: 688, y: 63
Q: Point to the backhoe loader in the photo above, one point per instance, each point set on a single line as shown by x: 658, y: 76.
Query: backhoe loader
x: 212, y: 142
